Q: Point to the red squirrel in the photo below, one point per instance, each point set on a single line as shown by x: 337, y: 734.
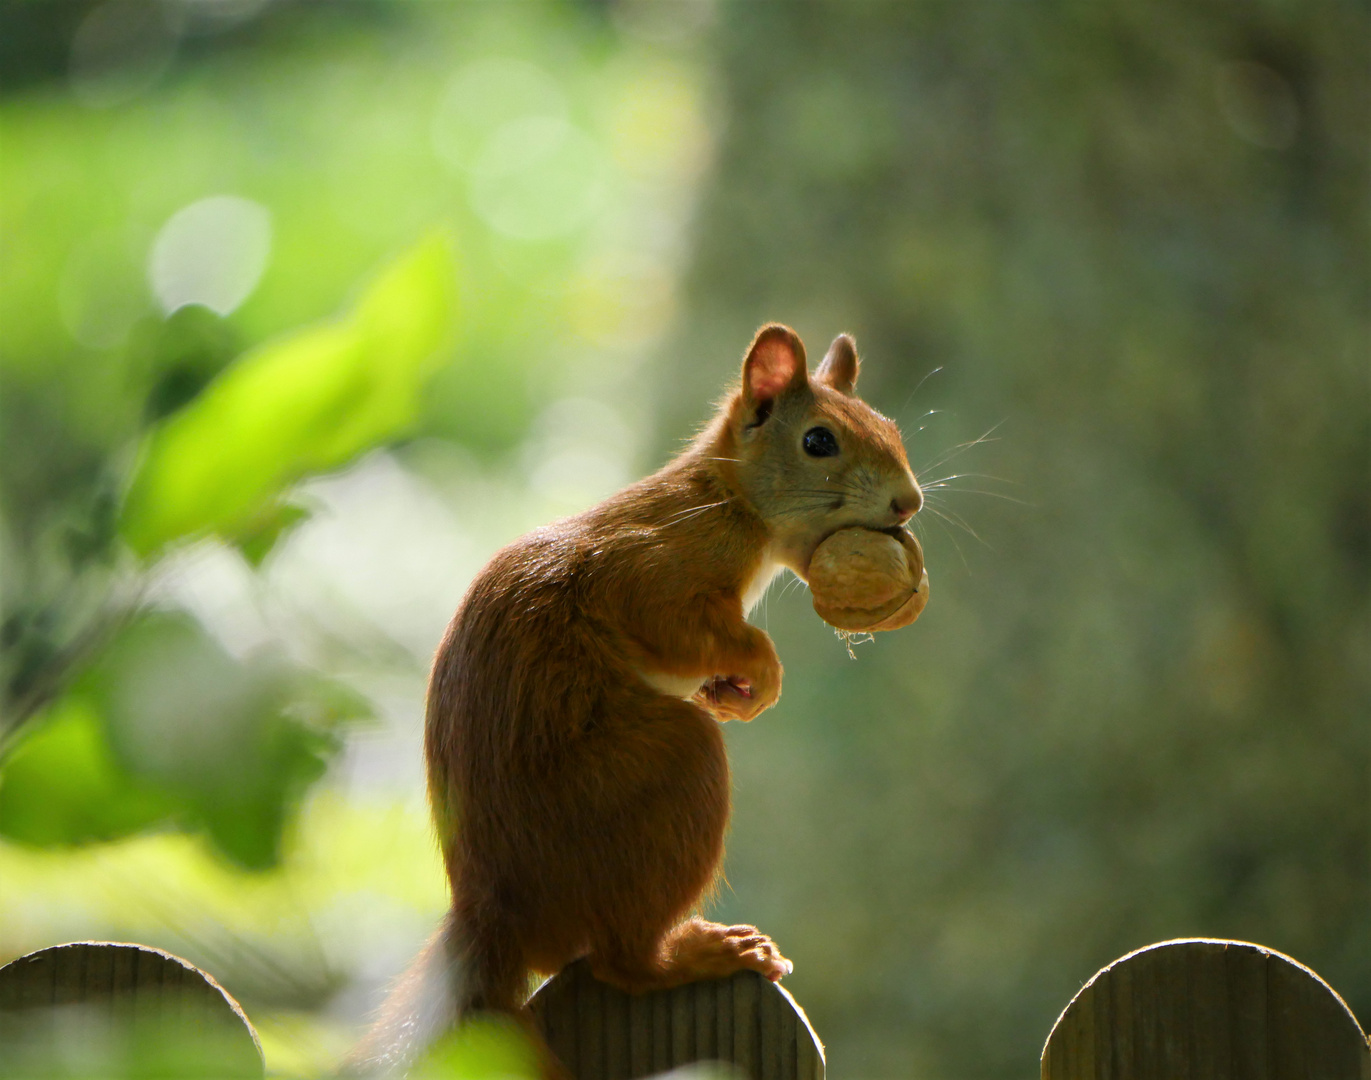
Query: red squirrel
x: 575, y: 766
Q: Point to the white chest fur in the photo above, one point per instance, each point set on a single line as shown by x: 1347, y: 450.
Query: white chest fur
x: 681, y: 686
x: 761, y: 580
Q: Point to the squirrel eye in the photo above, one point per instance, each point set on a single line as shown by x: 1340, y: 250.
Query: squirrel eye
x: 820, y: 442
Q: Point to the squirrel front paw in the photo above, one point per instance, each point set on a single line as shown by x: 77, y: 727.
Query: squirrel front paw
x: 738, y: 697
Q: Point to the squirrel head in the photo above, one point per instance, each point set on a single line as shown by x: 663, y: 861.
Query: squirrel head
x: 810, y: 456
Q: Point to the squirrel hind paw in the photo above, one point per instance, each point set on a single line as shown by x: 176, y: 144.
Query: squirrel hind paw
x: 708, y: 950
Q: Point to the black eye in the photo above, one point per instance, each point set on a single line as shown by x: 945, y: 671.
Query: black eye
x: 820, y: 442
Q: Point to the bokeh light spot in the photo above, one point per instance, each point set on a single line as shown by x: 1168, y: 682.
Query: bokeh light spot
x: 659, y: 132
x: 537, y: 178
x: 212, y: 252
x: 582, y: 453
x: 484, y: 96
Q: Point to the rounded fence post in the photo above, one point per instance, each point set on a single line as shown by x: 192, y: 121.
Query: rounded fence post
x: 1204, y: 1009
x: 99, y: 1008
x: 601, y: 1033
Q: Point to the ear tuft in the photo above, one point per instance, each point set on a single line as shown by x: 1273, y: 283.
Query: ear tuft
x: 840, y: 366
x: 775, y: 363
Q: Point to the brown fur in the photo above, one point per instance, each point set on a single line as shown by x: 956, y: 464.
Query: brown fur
x: 581, y: 810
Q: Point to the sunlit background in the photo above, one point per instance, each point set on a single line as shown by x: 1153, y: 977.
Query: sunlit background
x: 307, y: 308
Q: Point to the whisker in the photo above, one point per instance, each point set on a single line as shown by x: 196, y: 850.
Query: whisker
x: 952, y: 537
x: 944, y: 483
x: 691, y: 512
x: 827, y: 493
x: 973, y: 476
x: 954, y: 453
x: 976, y: 491
x: 917, y: 387
x: 961, y: 448
x: 795, y: 580
x: 956, y: 519
x: 795, y: 512
x: 925, y: 416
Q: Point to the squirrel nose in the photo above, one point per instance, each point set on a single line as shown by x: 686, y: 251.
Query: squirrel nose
x: 905, y: 505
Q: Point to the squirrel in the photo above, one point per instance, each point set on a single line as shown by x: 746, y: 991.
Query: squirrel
x: 575, y: 766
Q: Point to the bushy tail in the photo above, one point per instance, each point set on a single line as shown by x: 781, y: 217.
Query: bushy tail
x: 421, y: 1007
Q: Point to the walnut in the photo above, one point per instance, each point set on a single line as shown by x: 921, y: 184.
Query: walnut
x: 863, y: 580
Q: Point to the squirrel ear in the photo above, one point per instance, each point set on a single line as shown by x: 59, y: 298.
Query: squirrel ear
x: 840, y: 366
x: 775, y: 363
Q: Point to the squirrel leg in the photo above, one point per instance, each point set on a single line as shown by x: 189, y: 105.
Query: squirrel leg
x: 696, y: 949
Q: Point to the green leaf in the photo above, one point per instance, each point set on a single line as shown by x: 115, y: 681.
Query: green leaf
x: 258, y: 537
x: 64, y: 784
x: 485, y: 1048
x: 165, y: 726
x: 302, y: 404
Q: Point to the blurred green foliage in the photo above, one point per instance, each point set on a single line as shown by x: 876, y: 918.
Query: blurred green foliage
x: 301, y: 404
x: 485, y: 1047
x: 64, y: 784
x: 73, y: 1044
x: 129, y: 432
x: 234, y: 238
x: 115, y: 755
x: 1130, y: 242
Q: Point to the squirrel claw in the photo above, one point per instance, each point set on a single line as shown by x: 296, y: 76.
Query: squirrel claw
x: 719, y: 686
x: 740, y: 686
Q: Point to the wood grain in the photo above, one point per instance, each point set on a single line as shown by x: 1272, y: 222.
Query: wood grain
x: 744, y: 1020
x: 1203, y: 1009
x: 99, y: 1007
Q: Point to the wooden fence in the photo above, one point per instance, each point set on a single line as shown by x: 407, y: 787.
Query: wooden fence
x: 1200, y: 1009
x: 604, y: 1033
x: 1192, y: 1009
